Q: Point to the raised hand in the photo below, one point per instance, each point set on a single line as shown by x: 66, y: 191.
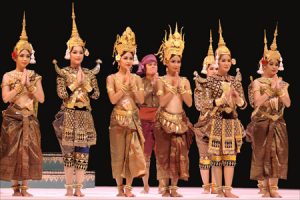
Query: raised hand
x: 274, y: 82
x: 24, y: 77
x: 234, y: 93
x: 82, y: 75
x: 79, y: 76
x: 127, y: 77
x: 176, y: 80
x: 278, y: 85
x: 27, y: 79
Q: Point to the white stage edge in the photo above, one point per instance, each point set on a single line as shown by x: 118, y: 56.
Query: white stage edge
x: 109, y: 193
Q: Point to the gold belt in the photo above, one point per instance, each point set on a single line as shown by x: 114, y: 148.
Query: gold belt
x: 175, y: 118
x: 125, y: 113
x: 273, y: 117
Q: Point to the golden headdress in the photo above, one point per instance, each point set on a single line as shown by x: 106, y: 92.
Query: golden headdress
x: 270, y: 54
x: 174, y: 45
x: 222, y: 49
x: 24, y: 44
x: 210, y: 58
x: 125, y: 43
x: 75, y: 39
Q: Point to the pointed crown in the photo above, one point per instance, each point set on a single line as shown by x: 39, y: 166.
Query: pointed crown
x: 75, y: 39
x: 23, y: 42
x: 222, y: 49
x: 272, y: 53
x: 209, y: 59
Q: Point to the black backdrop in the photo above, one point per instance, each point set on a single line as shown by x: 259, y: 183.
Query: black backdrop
x: 49, y: 28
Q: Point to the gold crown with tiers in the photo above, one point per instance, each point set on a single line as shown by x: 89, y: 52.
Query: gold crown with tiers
x: 124, y: 43
x: 174, y: 45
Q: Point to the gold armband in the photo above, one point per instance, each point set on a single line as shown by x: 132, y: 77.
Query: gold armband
x: 109, y: 89
x: 280, y: 93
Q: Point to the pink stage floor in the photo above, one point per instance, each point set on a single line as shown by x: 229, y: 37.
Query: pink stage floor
x: 109, y: 193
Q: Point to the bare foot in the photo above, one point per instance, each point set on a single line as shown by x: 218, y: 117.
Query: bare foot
x: 266, y: 194
x: 220, y: 194
x: 17, y: 193
x: 69, y: 192
x: 160, y: 190
x: 213, y: 191
x: 229, y: 194
x: 205, y: 191
x: 78, y: 193
x: 206, y: 188
x: 120, y: 191
x: 145, y: 190
x: 275, y: 194
x: 69, y: 188
x: 16, y: 189
x: 128, y: 192
x: 165, y: 193
x: 174, y: 193
x: 260, y: 191
x: 25, y: 193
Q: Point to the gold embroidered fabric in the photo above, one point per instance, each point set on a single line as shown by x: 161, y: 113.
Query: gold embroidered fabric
x: 79, y: 96
x: 78, y: 128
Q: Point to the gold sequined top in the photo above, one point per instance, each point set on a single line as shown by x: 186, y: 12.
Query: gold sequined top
x: 77, y: 96
x: 272, y: 106
x: 23, y: 99
x: 151, y: 100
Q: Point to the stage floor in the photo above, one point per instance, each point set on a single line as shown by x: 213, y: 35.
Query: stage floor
x: 109, y: 193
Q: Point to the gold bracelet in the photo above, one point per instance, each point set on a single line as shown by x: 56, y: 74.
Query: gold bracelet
x: 134, y: 88
x: 181, y: 90
x: 280, y: 93
x: 32, y: 89
x: 189, y: 92
x: 19, y: 88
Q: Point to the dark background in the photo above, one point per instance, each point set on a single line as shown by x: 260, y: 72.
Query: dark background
x: 49, y: 28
